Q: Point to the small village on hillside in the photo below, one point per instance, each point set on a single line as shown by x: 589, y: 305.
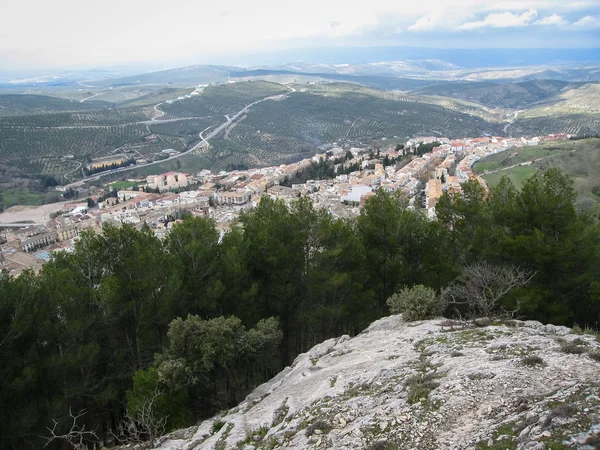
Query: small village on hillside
x: 160, y: 201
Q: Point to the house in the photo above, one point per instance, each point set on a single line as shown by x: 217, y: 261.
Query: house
x: 233, y: 198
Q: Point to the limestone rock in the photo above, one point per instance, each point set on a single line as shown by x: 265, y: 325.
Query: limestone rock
x: 420, y: 385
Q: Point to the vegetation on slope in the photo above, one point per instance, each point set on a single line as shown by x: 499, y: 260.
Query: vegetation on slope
x: 506, y: 95
x: 222, y: 99
x: 575, y: 111
x: 22, y: 104
x: 580, y: 159
x: 276, y: 131
x: 73, y: 335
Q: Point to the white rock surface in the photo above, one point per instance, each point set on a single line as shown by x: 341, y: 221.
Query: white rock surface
x: 353, y: 393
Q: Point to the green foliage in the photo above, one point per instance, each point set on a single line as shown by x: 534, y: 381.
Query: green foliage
x: 172, y: 405
x: 85, y: 330
x: 207, y: 353
x: 416, y: 303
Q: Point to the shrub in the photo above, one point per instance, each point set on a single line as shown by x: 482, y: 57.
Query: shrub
x: 594, y: 355
x: 573, y: 348
x: 561, y: 411
x: 216, y: 426
x: 384, y: 445
x: 531, y: 361
x: 318, y: 425
x: 416, y: 303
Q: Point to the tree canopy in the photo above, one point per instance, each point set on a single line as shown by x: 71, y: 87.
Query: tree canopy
x: 199, y: 321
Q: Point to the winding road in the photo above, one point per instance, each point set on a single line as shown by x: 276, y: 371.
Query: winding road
x: 204, y: 140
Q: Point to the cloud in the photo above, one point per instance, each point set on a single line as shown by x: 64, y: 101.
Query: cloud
x: 554, y: 19
x: 587, y: 23
x: 427, y: 22
x: 502, y: 20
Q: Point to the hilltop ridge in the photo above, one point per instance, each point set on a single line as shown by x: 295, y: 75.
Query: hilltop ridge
x: 426, y: 385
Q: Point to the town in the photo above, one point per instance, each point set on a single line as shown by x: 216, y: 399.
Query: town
x: 423, y: 168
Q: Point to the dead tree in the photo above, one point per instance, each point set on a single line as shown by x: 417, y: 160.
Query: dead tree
x: 482, y: 285
x: 143, y: 425
x: 76, y: 436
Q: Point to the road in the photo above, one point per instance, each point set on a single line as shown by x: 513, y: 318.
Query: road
x: 204, y: 142
x: 524, y: 163
x: 66, y: 175
x: 91, y: 96
x: 161, y: 113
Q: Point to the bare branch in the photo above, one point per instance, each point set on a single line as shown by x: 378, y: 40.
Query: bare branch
x: 76, y: 435
x: 482, y: 285
x: 143, y: 424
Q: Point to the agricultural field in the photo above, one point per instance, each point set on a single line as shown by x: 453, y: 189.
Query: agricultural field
x: 159, y: 96
x: 56, y: 136
x: 100, y: 117
x: 222, y: 99
x: 575, y: 111
x: 188, y: 129
x: 49, y: 135
x: 507, y: 95
x: 24, y: 104
x: 21, y: 196
x: 275, y: 131
x: 57, y: 150
x: 579, y: 159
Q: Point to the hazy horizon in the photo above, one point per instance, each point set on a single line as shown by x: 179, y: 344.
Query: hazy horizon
x: 63, y: 35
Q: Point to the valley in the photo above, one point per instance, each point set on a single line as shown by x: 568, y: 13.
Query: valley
x: 153, y: 123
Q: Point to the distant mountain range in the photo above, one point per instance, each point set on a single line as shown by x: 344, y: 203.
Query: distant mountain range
x: 412, y: 62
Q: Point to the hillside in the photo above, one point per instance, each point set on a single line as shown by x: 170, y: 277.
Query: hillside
x: 507, y: 95
x: 274, y: 131
x: 575, y: 110
x: 23, y: 104
x: 267, y: 133
x: 190, y: 75
x: 579, y: 159
x: 423, y: 385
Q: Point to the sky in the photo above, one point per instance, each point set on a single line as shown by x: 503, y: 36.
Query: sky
x: 72, y: 33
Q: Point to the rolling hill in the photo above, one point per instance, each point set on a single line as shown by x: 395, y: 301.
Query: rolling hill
x: 276, y: 131
x: 579, y: 159
x: 575, y: 110
x: 25, y: 104
x: 190, y: 75
x: 507, y: 95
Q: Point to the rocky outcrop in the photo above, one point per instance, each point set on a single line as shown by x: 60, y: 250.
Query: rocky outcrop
x: 424, y: 385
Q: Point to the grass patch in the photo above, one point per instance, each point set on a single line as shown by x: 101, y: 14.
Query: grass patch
x: 419, y: 386
x: 579, y: 159
x: 22, y: 196
x: 563, y: 411
x: 503, y: 438
x: 216, y: 426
